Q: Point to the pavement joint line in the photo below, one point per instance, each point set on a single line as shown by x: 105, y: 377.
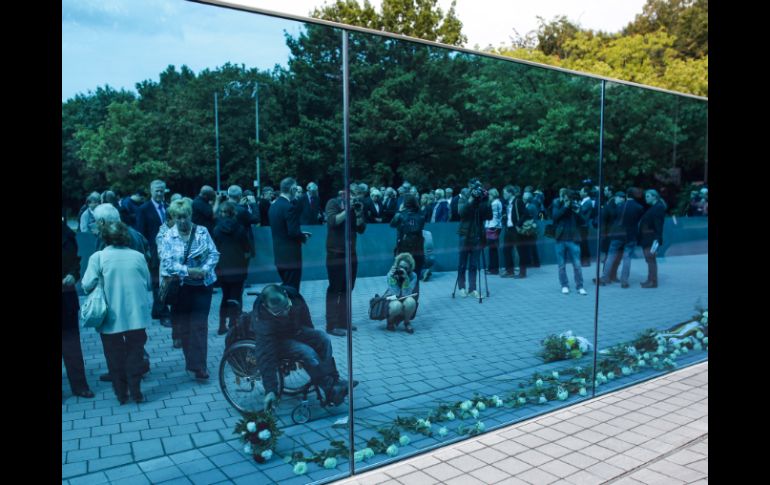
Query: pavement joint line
x: 690, y: 443
x: 465, y: 442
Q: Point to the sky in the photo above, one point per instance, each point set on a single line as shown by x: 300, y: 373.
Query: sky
x: 122, y: 42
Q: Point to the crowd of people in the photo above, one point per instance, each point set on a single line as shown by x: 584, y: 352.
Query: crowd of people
x: 147, y: 244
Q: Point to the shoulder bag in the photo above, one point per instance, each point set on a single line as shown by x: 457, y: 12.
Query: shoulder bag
x: 168, y: 292
x: 93, y: 313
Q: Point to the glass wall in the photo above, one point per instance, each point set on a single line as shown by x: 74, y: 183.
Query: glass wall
x: 479, y: 196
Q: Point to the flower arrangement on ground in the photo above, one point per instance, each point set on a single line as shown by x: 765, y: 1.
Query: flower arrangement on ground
x: 259, y: 431
x: 564, y: 346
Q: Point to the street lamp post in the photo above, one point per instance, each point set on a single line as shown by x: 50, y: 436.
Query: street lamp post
x: 216, y: 129
x: 256, y: 135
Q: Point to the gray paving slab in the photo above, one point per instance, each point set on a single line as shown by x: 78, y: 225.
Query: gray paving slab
x: 456, y: 350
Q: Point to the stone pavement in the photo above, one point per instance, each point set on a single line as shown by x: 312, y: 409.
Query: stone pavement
x: 651, y: 433
x: 183, y: 434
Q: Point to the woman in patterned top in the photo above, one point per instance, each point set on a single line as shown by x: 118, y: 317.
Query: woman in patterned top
x: 401, y: 292
x: 196, y: 272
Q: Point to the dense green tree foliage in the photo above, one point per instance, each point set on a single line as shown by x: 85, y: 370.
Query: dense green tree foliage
x: 429, y: 115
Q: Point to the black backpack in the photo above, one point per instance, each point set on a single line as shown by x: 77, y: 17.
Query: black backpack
x: 410, y: 239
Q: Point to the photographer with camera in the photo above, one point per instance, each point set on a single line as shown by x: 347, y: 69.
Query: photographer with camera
x: 402, y: 293
x: 567, y: 219
x: 336, y: 218
x: 409, y: 224
x: 474, y: 209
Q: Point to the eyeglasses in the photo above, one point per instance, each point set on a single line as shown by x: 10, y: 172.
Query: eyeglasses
x: 280, y: 313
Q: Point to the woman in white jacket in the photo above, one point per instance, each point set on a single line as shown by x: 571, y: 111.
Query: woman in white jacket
x: 126, y: 279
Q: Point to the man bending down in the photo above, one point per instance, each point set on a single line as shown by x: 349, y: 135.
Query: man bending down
x: 281, y: 321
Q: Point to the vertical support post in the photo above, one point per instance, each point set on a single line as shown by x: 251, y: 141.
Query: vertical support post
x: 598, y: 234
x: 216, y: 130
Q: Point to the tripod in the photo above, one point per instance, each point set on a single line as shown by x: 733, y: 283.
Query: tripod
x: 481, y: 269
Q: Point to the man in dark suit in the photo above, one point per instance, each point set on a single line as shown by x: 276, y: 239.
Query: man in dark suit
x: 310, y: 205
x: 264, y: 206
x: 202, y: 210
x: 623, y: 233
x: 287, y: 236
x: 454, y: 201
x: 373, y: 208
x: 389, y: 205
x: 149, y: 217
x: 246, y: 213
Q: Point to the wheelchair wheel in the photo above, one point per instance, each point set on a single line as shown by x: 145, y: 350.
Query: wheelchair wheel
x: 295, y: 379
x: 239, y: 377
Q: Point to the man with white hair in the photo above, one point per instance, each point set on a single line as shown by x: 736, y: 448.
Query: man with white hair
x: 310, y: 206
x: 243, y: 215
x: 441, y: 209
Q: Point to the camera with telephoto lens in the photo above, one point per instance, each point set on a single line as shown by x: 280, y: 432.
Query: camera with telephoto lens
x: 358, y: 206
x: 400, y: 273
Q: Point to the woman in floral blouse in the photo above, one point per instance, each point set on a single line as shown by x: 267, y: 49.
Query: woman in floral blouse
x: 196, y: 272
x: 402, y: 289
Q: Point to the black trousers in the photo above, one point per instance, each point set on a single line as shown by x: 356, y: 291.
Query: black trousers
x: 585, y: 251
x: 652, y: 265
x: 191, y: 315
x: 336, y: 301
x: 72, y: 354
x: 231, y: 290
x: 494, y: 258
x: 124, y: 353
x: 290, y: 276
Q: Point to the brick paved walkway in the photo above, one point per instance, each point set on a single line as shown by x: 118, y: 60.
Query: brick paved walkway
x: 652, y: 433
x: 184, y: 432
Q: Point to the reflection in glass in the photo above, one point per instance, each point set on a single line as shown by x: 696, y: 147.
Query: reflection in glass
x: 424, y: 121
x: 654, y: 283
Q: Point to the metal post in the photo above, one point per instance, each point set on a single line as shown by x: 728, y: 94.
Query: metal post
x: 348, y: 246
x: 216, y: 128
x: 598, y: 236
x: 256, y: 133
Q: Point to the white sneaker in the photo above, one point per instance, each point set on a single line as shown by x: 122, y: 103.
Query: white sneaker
x: 582, y: 291
x: 463, y: 293
x: 565, y: 290
x: 474, y: 294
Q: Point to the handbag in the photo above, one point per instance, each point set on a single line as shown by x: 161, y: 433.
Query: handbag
x: 170, y: 286
x: 93, y: 313
x: 528, y: 227
x: 378, y: 307
x: 493, y: 234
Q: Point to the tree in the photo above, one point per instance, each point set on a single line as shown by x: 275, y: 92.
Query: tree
x: 422, y: 19
x: 686, y: 20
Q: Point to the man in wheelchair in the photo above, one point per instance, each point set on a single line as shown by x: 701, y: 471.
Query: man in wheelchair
x: 281, y: 323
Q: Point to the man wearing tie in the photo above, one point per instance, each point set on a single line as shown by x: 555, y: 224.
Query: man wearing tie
x: 310, y: 206
x: 149, y: 217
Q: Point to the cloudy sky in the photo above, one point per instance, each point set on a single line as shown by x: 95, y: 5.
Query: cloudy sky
x: 121, y: 42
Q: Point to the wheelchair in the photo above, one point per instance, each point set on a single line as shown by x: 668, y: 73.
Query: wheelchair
x: 241, y: 381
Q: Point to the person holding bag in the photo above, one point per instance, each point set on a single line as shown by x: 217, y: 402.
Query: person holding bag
x: 126, y: 282
x: 188, y: 253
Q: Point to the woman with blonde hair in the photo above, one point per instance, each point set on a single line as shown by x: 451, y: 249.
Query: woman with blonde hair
x: 187, y: 252
x: 402, y: 293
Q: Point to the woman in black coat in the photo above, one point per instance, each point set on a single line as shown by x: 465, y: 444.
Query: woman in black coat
x: 233, y: 244
x: 70, y: 330
x: 651, y: 235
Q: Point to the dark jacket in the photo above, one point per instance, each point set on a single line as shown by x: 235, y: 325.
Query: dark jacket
x: 264, y: 208
x: 454, y: 207
x: 441, y: 209
x: 567, y: 222
x: 203, y: 214
x: 519, y: 212
x: 310, y: 210
x: 148, y: 224
x: 129, y: 211
x: 70, y: 264
x: 389, y: 209
x: 248, y: 215
x: 651, y: 225
x: 472, y: 217
x: 335, y: 234
x: 373, y: 211
x: 626, y: 224
x: 233, y: 246
x: 397, y: 222
x: 286, y: 232
x: 270, y: 331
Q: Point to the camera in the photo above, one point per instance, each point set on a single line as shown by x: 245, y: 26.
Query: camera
x: 222, y: 197
x: 400, y: 273
x: 478, y: 192
x: 358, y: 206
